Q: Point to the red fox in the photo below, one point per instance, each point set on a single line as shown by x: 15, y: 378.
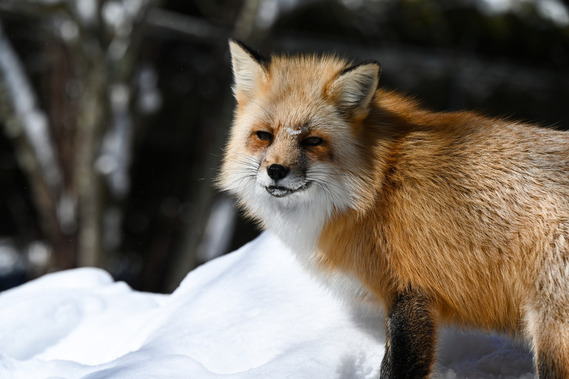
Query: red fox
x: 441, y: 218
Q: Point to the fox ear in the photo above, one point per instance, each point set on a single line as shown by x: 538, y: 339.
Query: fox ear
x: 355, y: 86
x: 249, y: 69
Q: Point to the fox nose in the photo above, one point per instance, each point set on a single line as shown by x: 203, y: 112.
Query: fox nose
x: 277, y: 171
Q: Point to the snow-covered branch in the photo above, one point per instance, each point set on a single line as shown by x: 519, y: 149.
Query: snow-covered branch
x: 28, y: 118
x: 27, y: 125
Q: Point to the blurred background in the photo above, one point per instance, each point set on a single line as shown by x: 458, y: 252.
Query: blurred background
x: 114, y: 113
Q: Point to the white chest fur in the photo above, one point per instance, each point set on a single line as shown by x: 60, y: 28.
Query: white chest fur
x: 299, y: 230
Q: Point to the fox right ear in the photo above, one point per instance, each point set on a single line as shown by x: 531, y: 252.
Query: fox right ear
x: 355, y: 87
x: 249, y: 70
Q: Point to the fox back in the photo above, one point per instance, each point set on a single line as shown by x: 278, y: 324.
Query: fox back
x: 438, y: 217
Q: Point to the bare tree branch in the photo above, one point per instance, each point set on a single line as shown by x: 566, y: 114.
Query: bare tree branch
x: 102, y: 39
x: 245, y: 23
x: 186, y: 26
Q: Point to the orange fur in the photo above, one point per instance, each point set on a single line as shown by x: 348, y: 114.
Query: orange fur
x: 471, y: 212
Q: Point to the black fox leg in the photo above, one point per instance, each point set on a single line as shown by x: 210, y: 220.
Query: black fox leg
x: 411, y: 338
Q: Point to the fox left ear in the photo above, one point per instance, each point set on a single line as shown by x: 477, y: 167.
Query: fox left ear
x: 249, y: 69
x: 355, y: 86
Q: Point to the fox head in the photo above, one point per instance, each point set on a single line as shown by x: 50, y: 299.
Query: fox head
x: 295, y: 140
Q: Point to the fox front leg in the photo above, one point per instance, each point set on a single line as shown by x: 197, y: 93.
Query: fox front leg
x: 411, y: 338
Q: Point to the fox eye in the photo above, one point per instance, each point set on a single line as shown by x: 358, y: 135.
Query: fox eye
x: 312, y: 141
x: 264, y: 136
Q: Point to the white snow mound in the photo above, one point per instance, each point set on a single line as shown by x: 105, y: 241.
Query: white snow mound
x: 251, y: 314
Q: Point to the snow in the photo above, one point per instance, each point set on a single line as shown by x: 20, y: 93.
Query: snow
x: 253, y: 313
x: 114, y: 161
x: 295, y: 132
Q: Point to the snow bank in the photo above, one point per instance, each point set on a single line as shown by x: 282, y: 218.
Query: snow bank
x: 251, y: 314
